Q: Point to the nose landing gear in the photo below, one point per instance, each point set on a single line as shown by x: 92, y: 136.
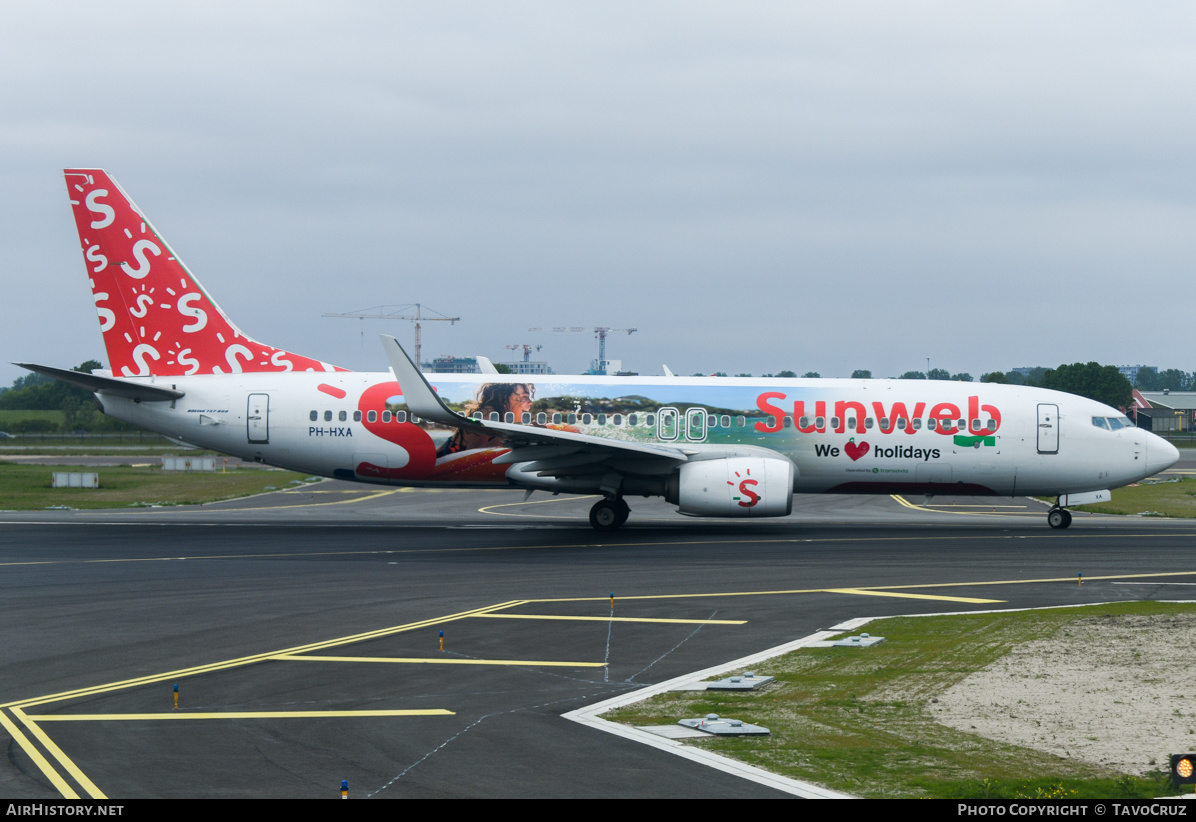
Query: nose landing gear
x: 1059, y: 518
x: 609, y: 514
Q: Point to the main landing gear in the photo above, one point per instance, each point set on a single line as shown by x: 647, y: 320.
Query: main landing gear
x: 609, y: 514
x: 1057, y: 518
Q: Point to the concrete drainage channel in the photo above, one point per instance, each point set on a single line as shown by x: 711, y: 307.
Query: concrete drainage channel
x: 591, y: 716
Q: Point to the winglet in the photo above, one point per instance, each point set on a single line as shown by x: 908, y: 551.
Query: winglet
x: 667, y: 372
x: 417, y: 393
x: 485, y: 365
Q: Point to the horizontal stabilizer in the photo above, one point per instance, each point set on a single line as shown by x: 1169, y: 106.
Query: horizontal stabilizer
x: 107, y: 385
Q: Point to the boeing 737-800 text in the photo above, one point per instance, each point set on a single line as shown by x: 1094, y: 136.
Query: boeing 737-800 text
x: 716, y: 447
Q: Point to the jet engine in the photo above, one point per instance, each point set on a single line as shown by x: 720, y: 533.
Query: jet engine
x: 734, y: 487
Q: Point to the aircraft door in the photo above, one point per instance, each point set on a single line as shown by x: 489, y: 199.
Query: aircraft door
x: 1048, y: 428
x: 258, y: 418
x: 695, y: 424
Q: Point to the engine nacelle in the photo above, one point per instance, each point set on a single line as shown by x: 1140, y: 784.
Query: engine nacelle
x: 735, y: 487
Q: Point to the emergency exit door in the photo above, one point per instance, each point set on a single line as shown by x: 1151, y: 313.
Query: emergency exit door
x: 258, y: 418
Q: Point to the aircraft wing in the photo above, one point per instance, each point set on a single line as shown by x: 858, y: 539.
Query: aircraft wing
x: 139, y: 392
x: 547, y: 449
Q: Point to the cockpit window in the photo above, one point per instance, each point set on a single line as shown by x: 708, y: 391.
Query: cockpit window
x: 1099, y: 422
x: 1114, y: 423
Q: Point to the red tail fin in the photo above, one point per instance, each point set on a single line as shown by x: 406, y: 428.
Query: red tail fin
x: 155, y: 317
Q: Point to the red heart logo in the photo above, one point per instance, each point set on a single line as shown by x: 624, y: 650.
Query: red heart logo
x: 855, y: 451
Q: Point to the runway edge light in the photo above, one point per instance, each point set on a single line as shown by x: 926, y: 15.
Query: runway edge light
x: 1181, y: 769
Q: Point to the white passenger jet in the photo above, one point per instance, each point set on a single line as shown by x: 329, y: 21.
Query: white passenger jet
x: 714, y: 447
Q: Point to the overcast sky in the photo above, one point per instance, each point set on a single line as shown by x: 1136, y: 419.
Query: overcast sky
x: 754, y: 186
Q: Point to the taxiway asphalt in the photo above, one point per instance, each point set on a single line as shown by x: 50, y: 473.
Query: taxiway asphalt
x: 303, y: 630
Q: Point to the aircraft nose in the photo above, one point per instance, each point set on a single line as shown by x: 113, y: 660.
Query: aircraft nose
x: 1160, y: 454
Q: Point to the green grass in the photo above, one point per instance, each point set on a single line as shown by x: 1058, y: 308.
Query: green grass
x: 29, y: 487
x: 858, y: 721
x: 1162, y: 499
x: 9, y: 416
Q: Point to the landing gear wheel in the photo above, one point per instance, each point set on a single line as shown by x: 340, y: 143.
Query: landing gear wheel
x: 607, y: 515
x: 1059, y: 518
x: 624, y: 510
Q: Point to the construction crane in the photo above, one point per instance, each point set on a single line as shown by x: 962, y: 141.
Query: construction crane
x: 527, y: 349
x: 600, y: 332
x: 379, y: 312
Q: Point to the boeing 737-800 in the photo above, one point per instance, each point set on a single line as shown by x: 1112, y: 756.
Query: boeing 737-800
x: 714, y: 447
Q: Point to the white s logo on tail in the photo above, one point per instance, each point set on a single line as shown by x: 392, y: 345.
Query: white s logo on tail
x: 201, y: 316
x: 107, y: 317
x: 108, y: 212
x: 143, y: 263
x: 139, y: 355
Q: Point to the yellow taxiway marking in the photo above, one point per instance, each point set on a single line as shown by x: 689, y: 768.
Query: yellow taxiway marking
x: 874, y: 593
x: 234, y: 715
x: 263, y: 657
x: 364, y: 498
x: 489, y: 509
x: 615, y: 619
x: 56, y: 752
x: 40, y: 761
x: 530, y: 663
x: 953, y: 505
x: 882, y: 588
x: 946, y: 509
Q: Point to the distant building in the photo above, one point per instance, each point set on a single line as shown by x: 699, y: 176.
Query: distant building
x: 1163, y: 411
x: 532, y: 368
x: 446, y: 364
x: 1130, y: 372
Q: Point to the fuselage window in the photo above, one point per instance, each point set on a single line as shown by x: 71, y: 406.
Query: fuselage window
x: 587, y: 419
x: 975, y: 425
x: 961, y: 424
x: 787, y: 421
x: 371, y: 416
x: 342, y: 416
x: 476, y: 415
x: 867, y: 422
x: 356, y: 416
x: 820, y: 423
x: 740, y: 421
x: 917, y: 423
x: 850, y: 422
x: 571, y: 419
x: 508, y: 417
x: 884, y: 422
x: 401, y: 416
x: 901, y: 423
x: 556, y: 419
x: 315, y: 415
x: 602, y: 419
x: 931, y: 424
x: 992, y: 425
x: 541, y: 418
x: 711, y: 421
x: 327, y: 416
x: 633, y: 419
x: 650, y: 421
x: 386, y: 416
x: 493, y: 416
x: 725, y: 421
x: 525, y: 418
x: 835, y: 422
x: 804, y: 422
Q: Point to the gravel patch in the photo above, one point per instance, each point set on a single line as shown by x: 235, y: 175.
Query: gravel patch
x: 1113, y: 691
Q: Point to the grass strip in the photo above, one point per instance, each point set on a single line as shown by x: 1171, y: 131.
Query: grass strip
x: 29, y: 487
x: 858, y: 720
